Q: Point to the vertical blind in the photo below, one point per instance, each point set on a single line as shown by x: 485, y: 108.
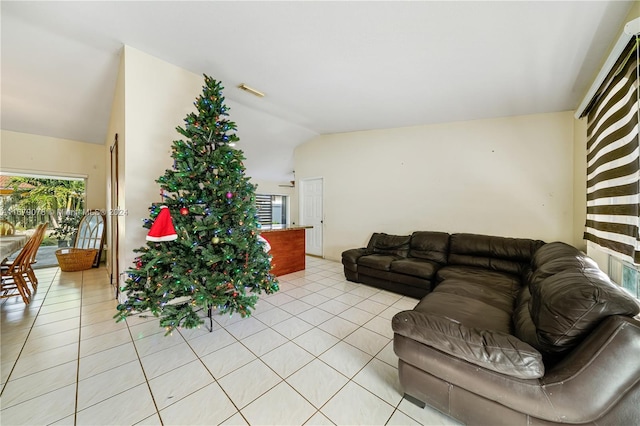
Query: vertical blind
x: 613, y: 164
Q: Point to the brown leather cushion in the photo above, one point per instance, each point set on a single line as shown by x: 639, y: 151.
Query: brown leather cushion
x: 504, y: 254
x: 497, y: 280
x: 567, y: 306
x: 416, y: 267
x: 381, y: 243
x: 523, y: 325
x: 430, y: 246
x: 576, y: 262
x: 380, y: 262
x: 552, y: 251
x: 493, y: 350
x: 468, y: 311
x: 351, y: 256
x: 497, y: 298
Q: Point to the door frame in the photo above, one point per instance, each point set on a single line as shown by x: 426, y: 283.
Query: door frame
x: 114, y: 273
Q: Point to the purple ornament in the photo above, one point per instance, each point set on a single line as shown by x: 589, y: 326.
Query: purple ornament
x: 229, y: 195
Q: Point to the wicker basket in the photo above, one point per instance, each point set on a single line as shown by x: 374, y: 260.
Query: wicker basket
x: 73, y: 259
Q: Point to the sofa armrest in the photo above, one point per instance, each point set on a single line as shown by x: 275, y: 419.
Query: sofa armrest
x: 493, y: 350
x: 598, y: 372
x: 351, y: 256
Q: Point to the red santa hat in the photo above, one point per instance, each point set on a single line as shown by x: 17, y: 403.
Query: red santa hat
x: 266, y: 247
x: 162, y: 229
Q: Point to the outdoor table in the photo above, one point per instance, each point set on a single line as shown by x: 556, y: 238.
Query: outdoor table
x: 10, y: 244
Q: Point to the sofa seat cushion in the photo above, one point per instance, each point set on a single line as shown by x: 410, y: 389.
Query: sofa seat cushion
x: 499, y: 281
x: 416, y: 267
x: 467, y: 311
x: 567, y: 306
x: 496, y: 298
x: 381, y: 262
x: 493, y: 350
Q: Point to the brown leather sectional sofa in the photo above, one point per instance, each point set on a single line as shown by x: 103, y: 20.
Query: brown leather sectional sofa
x: 511, y: 331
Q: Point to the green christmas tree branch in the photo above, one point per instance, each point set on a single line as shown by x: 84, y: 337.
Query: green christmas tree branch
x: 217, y: 260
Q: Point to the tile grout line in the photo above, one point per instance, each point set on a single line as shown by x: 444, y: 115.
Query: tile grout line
x: 328, y: 273
x: 315, y: 357
x: 144, y: 373
x: 28, y: 334
x: 75, y: 407
x: 238, y: 411
x: 258, y: 358
x: 289, y: 340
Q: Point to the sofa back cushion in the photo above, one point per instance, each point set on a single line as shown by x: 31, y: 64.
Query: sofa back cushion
x: 576, y: 263
x: 512, y: 255
x: 381, y: 243
x: 567, y: 306
x: 429, y: 246
x: 552, y: 251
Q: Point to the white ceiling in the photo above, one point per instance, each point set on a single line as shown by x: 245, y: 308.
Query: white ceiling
x: 326, y: 67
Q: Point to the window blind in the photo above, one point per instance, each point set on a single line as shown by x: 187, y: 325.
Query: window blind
x: 613, y: 164
x: 263, y: 202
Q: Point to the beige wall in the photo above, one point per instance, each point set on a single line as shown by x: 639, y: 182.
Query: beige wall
x: 157, y: 97
x: 579, y: 182
x: 154, y: 98
x: 27, y: 153
x: 116, y: 126
x: 507, y: 176
x: 273, y: 188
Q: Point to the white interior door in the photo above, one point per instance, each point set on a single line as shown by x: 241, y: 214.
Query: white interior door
x: 311, y: 199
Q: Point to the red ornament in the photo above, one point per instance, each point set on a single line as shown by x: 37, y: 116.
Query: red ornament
x: 184, y: 211
x: 235, y: 294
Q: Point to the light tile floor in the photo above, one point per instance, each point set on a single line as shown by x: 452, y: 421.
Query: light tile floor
x: 317, y: 352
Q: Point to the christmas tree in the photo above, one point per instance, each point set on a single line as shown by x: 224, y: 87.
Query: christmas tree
x: 216, y: 260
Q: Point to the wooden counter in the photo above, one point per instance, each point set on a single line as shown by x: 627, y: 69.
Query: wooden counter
x: 287, y: 248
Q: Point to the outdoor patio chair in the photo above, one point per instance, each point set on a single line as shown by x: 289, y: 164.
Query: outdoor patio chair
x: 38, y: 237
x: 6, y: 227
x: 28, y: 256
x: 14, y: 276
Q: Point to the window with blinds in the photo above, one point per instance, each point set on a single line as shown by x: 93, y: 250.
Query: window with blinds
x: 272, y: 209
x: 613, y: 165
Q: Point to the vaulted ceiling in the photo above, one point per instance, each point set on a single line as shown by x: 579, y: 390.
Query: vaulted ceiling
x: 325, y: 67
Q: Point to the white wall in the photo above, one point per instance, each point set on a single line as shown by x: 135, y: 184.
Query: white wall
x: 157, y: 97
x: 27, y: 153
x: 579, y: 182
x: 116, y: 126
x: 273, y: 188
x: 508, y: 176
